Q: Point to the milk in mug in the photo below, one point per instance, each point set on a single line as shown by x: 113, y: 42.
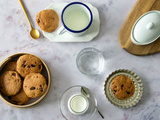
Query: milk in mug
x: 76, y: 20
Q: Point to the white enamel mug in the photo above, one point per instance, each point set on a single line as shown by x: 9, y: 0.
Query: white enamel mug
x: 76, y: 18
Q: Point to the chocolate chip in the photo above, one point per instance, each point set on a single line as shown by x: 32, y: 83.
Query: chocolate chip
x: 114, y: 91
x: 28, y: 66
x: 124, y: 97
x: 23, y: 65
x: 25, y: 86
x: 112, y: 83
x: 14, y: 74
x: 122, y: 86
x: 38, y: 21
x: 41, y: 89
x: 33, y: 65
x: 127, y: 92
x: 32, y: 88
x: 39, y: 66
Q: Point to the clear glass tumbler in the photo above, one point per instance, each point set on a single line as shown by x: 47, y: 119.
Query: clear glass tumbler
x: 90, y: 61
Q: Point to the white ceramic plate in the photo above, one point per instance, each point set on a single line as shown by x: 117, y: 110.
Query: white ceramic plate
x: 88, y: 36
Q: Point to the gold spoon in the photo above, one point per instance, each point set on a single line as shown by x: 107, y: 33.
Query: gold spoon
x: 34, y: 33
x: 85, y: 92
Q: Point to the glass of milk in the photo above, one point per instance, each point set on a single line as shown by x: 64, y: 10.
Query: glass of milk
x: 78, y: 104
x: 76, y: 18
x: 75, y: 106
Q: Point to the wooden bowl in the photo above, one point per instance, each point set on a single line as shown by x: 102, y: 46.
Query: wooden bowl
x: 33, y: 101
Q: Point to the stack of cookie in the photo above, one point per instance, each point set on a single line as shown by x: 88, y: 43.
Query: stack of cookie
x: 22, y: 79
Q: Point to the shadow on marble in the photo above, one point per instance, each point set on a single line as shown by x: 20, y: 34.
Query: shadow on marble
x: 103, y: 24
x: 146, y: 92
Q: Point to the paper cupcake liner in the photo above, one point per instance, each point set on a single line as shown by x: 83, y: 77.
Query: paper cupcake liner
x: 134, y: 99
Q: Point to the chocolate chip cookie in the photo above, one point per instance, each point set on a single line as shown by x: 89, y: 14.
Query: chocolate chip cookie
x: 10, y: 83
x: 10, y: 66
x: 122, y: 87
x: 47, y: 20
x: 28, y: 64
x: 34, y: 85
x: 20, y: 98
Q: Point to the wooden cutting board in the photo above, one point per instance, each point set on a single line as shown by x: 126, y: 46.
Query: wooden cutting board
x: 140, y: 7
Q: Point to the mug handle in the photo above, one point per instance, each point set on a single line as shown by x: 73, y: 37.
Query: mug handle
x: 61, y: 30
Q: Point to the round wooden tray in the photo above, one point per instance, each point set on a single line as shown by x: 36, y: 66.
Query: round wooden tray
x: 33, y: 101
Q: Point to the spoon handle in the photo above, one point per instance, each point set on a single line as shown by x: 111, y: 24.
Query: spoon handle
x: 25, y: 12
x: 96, y: 108
x: 85, y: 91
x: 99, y: 112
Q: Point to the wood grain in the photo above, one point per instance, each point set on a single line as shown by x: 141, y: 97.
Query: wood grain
x: 140, y: 7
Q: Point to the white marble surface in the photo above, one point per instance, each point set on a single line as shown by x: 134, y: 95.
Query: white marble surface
x: 14, y: 37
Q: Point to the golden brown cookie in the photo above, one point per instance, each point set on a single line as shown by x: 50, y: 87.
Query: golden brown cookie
x: 20, y: 98
x: 47, y: 20
x: 10, y: 83
x: 122, y: 87
x: 10, y: 66
x: 28, y: 64
x: 34, y: 85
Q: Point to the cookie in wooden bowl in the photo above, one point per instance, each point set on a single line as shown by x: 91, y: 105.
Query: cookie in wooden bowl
x: 27, y: 64
x: 20, y: 100
x: 34, y: 85
x: 10, y: 83
x: 11, y: 66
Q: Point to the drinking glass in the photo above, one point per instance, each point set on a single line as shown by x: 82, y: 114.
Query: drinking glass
x: 90, y: 61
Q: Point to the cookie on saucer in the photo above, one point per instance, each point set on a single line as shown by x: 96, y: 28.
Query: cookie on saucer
x: 10, y: 83
x: 34, y: 85
x: 28, y: 64
x: 122, y: 87
x: 20, y: 98
x: 47, y: 20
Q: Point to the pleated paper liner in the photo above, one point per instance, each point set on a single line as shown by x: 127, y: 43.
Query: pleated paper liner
x: 134, y: 99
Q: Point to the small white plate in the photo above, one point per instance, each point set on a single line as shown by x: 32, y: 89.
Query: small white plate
x: 66, y: 37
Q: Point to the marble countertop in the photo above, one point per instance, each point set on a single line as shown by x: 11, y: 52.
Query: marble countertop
x: 60, y: 57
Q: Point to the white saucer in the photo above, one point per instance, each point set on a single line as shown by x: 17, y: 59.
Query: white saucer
x: 66, y: 37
